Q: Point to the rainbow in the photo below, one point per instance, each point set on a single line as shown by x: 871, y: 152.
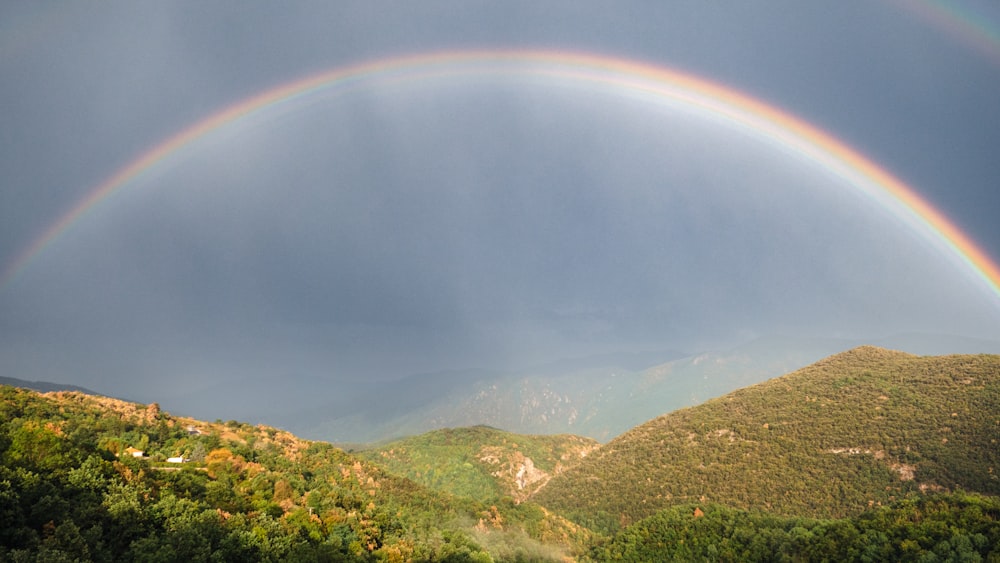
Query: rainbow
x: 629, y: 77
x: 962, y: 22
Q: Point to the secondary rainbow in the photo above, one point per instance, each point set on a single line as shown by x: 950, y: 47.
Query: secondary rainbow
x: 961, y: 21
x: 622, y: 75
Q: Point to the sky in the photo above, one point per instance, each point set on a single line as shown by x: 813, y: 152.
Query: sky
x: 477, y: 214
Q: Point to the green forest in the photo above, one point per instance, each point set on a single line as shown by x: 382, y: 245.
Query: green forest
x: 947, y: 527
x: 71, y: 491
x: 869, y: 455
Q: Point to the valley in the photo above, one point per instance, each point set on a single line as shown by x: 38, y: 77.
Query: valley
x: 868, y: 454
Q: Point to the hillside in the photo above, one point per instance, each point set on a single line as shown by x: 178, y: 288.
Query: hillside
x: 91, y: 478
x: 481, y: 462
x: 854, y: 431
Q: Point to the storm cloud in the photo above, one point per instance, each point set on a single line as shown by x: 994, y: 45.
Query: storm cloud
x: 398, y: 227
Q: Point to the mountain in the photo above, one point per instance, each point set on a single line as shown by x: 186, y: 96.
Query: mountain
x: 43, y: 386
x: 866, y: 455
x: 481, y: 462
x: 597, y: 396
x: 87, y: 478
x: 856, y: 430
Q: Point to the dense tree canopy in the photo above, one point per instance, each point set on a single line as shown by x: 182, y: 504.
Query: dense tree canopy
x: 954, y: 527
x: 71, y: 490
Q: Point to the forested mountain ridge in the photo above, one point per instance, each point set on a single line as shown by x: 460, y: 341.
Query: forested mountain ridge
x: 481, y: 462
x: 88, y: 478
x: 868, y: 455
x: 854, y: 431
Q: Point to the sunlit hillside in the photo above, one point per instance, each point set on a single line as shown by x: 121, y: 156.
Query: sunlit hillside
x: 855, y: 431
x: 482, y: 462
x: 89, y: 478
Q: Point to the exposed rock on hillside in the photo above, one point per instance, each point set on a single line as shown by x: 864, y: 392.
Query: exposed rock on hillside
x: 482, y: 462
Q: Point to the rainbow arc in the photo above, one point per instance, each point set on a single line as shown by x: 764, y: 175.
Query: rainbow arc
x: 629, y: 77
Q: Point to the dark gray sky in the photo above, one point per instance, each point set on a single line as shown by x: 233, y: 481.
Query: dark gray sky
x: 405, y: 226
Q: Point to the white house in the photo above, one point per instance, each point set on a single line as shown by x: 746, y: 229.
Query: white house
x: 176, y: 460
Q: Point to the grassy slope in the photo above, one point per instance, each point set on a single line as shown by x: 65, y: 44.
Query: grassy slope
x: 481, y: 462
x: 856, y: 430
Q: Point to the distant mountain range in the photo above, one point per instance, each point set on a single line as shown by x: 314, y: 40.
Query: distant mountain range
x: 598, y: 397
x: 43, y: 386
